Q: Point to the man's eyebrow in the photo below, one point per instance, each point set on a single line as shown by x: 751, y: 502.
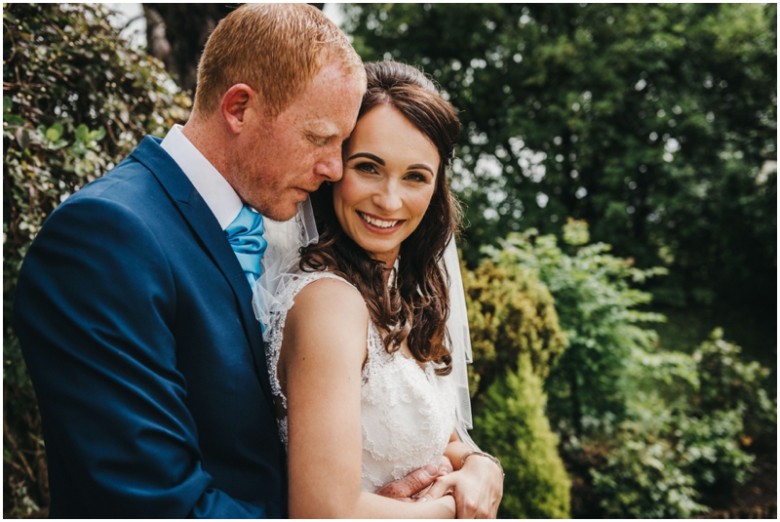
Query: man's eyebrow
x: 368, y: 155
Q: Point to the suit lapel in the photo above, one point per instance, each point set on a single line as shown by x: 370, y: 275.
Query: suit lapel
x: 205, y: 226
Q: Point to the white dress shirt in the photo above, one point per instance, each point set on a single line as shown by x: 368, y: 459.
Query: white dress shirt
x: 213, y: 188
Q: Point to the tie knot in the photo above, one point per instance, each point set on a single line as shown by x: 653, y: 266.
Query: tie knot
x: 245, y: 235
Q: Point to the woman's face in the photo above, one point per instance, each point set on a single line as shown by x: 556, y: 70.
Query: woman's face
x: 389, y: 178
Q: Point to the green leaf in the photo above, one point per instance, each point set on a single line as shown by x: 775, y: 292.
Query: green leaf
x: 54, y: 133
x: 98, y: 134
x: 82, y: 133
x: 13, y: 120
x: 78, y: 148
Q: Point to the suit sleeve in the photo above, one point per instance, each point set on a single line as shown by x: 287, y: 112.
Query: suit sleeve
x: 94, y: 306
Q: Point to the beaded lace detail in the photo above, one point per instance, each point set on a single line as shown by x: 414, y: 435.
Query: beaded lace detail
x: 407, y: 411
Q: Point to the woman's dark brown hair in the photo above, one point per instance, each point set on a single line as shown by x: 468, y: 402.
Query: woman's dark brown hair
x: 417, y: 305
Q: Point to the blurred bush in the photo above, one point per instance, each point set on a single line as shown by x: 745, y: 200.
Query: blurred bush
x: 510, y: 313
x: 683, y: 446
x: 644, y: 432
x: 598, y: 302
x: 664, y: 463
x: 76, y: 100
x: 728, y: 382
x: 516, y: 340
x: 513, y: 426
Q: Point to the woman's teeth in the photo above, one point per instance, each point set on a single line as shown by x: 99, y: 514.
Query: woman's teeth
x: 379, y: 223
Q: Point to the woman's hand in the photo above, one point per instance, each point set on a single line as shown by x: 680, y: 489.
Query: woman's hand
x: 477, y: 488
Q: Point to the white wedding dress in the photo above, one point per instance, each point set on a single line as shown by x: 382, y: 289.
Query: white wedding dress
x: 407, y: 412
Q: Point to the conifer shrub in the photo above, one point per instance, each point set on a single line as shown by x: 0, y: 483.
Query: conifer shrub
x: 512, y: 426
x: 510, y: 312
x: 516, y: 340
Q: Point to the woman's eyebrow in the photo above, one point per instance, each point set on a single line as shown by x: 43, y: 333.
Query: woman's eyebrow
x: 420, y: 166
x: 368, y: 155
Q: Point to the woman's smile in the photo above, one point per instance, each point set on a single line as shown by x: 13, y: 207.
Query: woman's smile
x: 384, y: 225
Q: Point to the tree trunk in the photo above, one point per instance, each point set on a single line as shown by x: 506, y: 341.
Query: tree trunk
x: 176, y: 34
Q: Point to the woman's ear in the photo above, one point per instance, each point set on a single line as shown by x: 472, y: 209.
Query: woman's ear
x: 236, y: 106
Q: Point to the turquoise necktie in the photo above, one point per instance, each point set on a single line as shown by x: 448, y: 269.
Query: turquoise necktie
x: 245, y: 235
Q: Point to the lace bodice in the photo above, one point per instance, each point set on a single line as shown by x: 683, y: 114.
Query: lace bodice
x: 407, y: 411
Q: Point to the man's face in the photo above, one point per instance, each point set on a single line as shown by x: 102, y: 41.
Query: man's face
x: 286, y: 157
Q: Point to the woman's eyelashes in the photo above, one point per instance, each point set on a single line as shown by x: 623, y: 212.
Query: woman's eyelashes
x: 367, y: 167
x: 372, y: 168
x: 417, y: 177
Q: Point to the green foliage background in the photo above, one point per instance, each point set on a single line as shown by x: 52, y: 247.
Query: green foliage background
x: 613, y: 154
x: 656, y: 124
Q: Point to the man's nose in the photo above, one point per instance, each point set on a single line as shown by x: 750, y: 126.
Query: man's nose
x: 330, y: 167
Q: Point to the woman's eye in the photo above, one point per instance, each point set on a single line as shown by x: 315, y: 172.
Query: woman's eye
x: 366, y: 167
x: 416, y: 176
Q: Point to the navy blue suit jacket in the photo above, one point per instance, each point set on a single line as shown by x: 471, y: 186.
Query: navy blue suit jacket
x: 135, y: 321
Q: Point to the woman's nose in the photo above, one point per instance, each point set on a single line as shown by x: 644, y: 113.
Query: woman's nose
x: 388, y: 198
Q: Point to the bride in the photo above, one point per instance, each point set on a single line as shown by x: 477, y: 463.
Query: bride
x: 357, y: 343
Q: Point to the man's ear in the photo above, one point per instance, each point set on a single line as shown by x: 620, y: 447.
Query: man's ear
x: 236, y: 105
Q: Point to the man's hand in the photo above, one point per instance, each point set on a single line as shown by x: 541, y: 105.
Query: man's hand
x: 477, y: 488
x: 415, y: 484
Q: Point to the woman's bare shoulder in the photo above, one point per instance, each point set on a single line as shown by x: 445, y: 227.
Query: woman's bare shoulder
x: 329, y: 308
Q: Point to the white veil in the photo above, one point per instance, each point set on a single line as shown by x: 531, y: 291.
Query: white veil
x: 459, y: 341
x: 280, y: 259
x: 279, y: 262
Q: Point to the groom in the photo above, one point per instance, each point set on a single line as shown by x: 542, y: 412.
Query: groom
x: 133, y: 312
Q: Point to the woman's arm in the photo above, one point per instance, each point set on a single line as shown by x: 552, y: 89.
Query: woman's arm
x: 320, y: 367
x: 456, y: 451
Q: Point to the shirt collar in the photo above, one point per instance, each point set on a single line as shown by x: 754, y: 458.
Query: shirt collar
x: 210, y: 184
